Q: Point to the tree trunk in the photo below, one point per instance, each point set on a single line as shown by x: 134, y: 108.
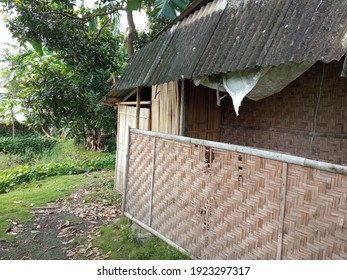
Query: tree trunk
x: 13, y: 121
x: 132, y: 34
x: 13, y: 130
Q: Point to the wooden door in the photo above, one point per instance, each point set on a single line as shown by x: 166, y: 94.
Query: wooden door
x: 204, y: 116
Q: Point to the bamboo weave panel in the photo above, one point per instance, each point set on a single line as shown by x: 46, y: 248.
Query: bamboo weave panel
x: 226, y: 209
x: 139, y: 178
x: 126, y: 118
x: 226, y: 205
x: 291, y: 112
x: 316, y: 215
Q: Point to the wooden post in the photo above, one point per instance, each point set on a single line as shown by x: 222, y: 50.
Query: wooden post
x: 184, y: 109
x: 138, y: 100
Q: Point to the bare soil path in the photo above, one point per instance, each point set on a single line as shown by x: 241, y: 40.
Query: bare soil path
x: 64, y: 229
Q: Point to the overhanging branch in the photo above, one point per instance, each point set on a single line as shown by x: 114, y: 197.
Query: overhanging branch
x: 84, y: 18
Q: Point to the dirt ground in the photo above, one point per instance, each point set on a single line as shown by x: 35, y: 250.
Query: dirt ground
x: 63, y: 230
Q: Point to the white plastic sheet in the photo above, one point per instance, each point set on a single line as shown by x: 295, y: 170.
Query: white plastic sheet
x: 238, y: 84
x: 254, y: 84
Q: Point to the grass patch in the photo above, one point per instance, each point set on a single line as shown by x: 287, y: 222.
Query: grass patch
x: 119, y: 241
x: 17, y: 204
x: 66, y: 151
x: 69, y: 151
x: 35, y: 144
x: 64, y: 158
x: 8, y: 161
x: 21, y: 174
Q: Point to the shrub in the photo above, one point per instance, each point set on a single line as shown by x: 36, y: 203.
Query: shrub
x: 20, y: 129
x: 24, y: 145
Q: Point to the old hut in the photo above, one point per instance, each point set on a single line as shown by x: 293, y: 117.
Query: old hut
x: 242, y: 146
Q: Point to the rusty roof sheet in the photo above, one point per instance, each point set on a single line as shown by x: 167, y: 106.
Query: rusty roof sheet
x: 230, y: 35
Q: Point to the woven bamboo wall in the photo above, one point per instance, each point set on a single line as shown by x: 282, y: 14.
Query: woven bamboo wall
x: 219, y: 204
x: 286, y: 121
x: 316, y: 215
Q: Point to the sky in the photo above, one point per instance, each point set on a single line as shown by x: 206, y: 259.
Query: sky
x: 5, y: 35
x: 5, y: 38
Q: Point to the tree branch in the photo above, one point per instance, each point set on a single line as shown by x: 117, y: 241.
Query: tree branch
x: 132, y: 34
x: 102, y: 28
x: 84, y: 18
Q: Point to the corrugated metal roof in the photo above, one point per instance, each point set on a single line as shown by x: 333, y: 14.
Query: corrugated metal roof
x: 188, y: 43
x: 143, y: 64
x: 270, y: 33
x: 230, y: 35
x: 176, y: 52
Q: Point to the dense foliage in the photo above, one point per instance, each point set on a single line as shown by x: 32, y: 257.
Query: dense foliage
x: 160, y: 8
x: 62, y: 78
x: 21, y: 145
x: 20, y: 129
x: 62, y: 82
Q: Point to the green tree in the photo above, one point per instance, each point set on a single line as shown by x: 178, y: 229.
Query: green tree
x: 10, y: 103
x: 63, y: 81
x: 160, y: 8
x: 7, y: 106
x: 76, y: 51
x: 159, y: 12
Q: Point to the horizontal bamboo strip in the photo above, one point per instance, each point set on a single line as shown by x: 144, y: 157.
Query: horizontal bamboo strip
x: 134, y: 103
x: 251, y: 151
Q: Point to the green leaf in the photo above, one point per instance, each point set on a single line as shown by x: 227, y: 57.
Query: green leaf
x: 37, y: 47
x: 168, y: 8
x: 134, y: 5
x: 93, y: 25
x: 100, y: 10
x: 115, y: 30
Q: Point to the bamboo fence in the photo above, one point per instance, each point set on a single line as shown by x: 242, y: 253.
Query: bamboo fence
x: 221, y: 201
x: 127, y: 118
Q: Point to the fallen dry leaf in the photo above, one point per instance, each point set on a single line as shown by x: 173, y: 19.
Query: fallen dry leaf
x: 95, y: 213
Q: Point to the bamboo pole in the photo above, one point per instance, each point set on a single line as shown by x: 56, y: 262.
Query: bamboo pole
x: 183, y: 131
x: 125, y: 177
x: 325, y: 166
x: 154, y: 232
x: 152, y: 182
x: 282, y: 210
x: 138, y: 100
x: 117, y: 141
x: 135, y: 103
